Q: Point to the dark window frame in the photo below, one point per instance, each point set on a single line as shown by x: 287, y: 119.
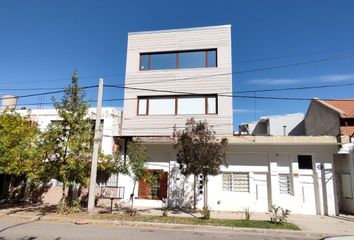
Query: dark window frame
x: 178, y: 58
x: 176, y: 97
x: 304, y: 166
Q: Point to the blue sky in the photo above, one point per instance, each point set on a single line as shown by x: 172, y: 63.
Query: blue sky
x: 41, y: 42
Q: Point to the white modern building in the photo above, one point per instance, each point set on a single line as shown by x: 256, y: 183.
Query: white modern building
x: 275, y: 125
x: 177, y: 74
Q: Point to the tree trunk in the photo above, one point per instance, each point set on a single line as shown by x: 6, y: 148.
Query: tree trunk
x: 63, y: 194
x: 205, y: 191
x: 132, y: 195
x: 70, y: 194
x: 195, y: 193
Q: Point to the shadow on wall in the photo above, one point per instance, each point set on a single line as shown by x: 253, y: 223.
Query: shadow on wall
x: 180, y: 191
x: 298, y: 130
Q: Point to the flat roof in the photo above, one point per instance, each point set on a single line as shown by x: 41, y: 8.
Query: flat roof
x: 260, y: 140
x: 180, y: 29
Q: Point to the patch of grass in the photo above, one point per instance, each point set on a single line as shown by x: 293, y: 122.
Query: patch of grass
x: 198, y: 221
x: 176, y: 220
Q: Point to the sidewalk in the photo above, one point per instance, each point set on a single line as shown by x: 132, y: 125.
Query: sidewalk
x: 321, y: 225
x: 329, y: 225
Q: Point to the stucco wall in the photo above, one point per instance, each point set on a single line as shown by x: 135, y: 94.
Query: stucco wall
x: 321, y: 120
x: 180, y: 80
x: 313, y: 190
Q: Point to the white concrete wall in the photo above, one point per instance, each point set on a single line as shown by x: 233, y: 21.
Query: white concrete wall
x: 111, y: 122
x: 185, y: 39
x: 313, y: 190
x: 291, y: 121
x: 344, y: 164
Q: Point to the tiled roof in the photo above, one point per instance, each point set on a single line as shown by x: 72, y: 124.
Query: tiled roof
x: 347, y: 130
x: 344, y: 106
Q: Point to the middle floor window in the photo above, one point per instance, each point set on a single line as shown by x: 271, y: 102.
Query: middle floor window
x: 173, y: 105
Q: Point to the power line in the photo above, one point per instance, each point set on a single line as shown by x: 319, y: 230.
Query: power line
x: 296, y: 88
x: 28, y: 89
x: 46, y: 93
x: 212, y: 75
x: 261, y: 59
x: 187, y: 93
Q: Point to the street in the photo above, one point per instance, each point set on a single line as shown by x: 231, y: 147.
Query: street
x: 11, y: 229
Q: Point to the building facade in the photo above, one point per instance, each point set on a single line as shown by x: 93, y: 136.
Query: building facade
x: 336, y: 118
x: 110, y: 129
x: 174, y: 75
x: 276, y: 125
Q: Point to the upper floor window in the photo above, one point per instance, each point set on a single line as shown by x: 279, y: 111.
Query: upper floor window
x: 172, y: 105
x: 179, y: 59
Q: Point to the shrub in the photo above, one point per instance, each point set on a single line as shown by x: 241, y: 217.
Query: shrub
x: 205, y: 213
x: 279, y: 214
x: 69, y: 208
x: 247, y: 213
x: 132, y: 212
x: 84, y: 200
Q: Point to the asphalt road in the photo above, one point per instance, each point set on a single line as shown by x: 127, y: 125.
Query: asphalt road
x: 37, y: 230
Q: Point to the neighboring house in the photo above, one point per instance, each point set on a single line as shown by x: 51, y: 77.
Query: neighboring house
x: 336, y: 118
x: 111, y: 119
x: 187, y: 70
x: 276, y: 125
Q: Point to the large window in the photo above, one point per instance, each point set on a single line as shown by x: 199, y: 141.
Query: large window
x: 173, y: 105
x: 180, y: 59
x: 191, y: 105
x: 235, y: 182
x: 159, y: 106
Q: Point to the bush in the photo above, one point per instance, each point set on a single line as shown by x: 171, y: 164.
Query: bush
x: 205, y: 213
x: 69, y: 208
x: 132, y: 212
x: 247, y: 213
x: 84, y: 200
x: 279, y: 214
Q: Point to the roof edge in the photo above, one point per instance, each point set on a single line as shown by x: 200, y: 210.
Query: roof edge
x: 327, y: 104
x: 181, y: 29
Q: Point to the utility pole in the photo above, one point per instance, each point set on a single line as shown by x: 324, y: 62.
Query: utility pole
x: 96, y: 145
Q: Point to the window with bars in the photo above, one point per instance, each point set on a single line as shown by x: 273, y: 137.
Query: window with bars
x: 235, y: 182
x: 284, y: 184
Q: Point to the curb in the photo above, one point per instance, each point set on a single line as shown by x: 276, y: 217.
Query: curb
x: 167, y: 226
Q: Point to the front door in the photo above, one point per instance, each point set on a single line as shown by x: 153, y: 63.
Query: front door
x: 308, y: 204
x: 260, y: 191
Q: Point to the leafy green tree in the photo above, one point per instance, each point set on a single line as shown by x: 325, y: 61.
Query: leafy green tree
x: 20, y: 152
x: 199, y: 152
x: 138, y: 155
x: 18, y: 145
x: 68, y: 141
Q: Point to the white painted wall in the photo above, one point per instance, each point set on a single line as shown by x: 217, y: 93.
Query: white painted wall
x: 185, y: 39
x: 313, y: 190
x: 111, y: 122
x: 344, y: 165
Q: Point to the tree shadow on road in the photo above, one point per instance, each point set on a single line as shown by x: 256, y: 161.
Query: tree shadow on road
x: 20, y: 224
x: 26, y: 238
